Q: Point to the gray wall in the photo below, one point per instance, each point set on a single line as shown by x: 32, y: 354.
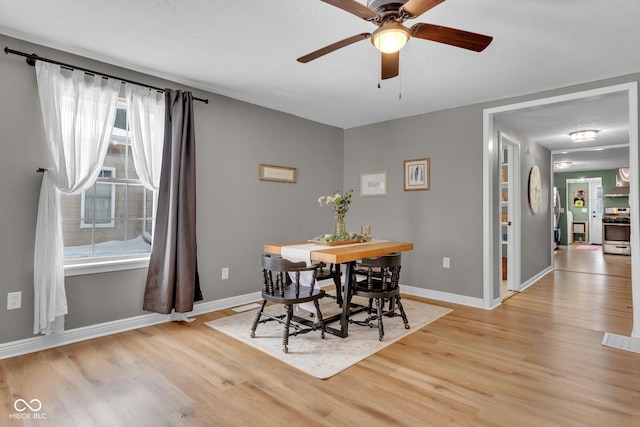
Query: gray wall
x: 237, y: 213
x: 445, y: 221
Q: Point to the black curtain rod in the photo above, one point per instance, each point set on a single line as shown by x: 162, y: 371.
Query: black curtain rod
x: 31, y: 60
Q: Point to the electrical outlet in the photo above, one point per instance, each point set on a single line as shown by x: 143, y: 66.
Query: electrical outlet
x: 225, y: 273
x: 14, y: 300
x: 446, y: 262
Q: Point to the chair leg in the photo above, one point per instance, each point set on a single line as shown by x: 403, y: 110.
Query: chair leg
x: 380, y: 325
x: 285, y: 336
x: 320, y: 319
x: 402, y: 313
x: 257, y: 319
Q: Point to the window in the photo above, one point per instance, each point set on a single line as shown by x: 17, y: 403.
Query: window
x: 98, y: 202
x: 110, y: 225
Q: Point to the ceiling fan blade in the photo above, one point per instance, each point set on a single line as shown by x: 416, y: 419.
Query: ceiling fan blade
x: 352, y: 6
x: 417, y: 7
x: 334, y: 46
x: 390, y: 65
x: 451, y: 36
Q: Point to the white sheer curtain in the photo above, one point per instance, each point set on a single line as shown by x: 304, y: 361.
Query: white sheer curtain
x: 145, y: 112
x: 78, y: 113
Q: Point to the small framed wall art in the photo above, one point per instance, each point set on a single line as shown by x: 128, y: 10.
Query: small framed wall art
x: 373, y: 184
x: 278, y: 173
x: 416, y: 174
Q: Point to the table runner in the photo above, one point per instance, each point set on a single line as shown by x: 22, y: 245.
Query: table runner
x: 297, y: 253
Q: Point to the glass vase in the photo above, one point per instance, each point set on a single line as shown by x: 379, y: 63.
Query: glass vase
x: 341, y: 227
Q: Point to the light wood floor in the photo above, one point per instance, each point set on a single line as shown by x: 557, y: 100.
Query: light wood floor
x: 534, y: 361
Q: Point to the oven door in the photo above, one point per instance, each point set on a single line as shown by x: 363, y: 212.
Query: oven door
x: 616, y: 238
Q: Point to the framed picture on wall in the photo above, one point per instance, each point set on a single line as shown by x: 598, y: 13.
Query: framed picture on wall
x: 579, y: 198
x: 416, y: 174
x: 277, y: 173
x: 373, y: 184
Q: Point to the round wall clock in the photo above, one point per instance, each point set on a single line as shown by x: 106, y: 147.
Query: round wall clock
x: 535, y: 189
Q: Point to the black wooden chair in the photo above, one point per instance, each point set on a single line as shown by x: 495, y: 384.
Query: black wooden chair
x: 280, y: 288
x: 333, y: 273
x: 377, y: 280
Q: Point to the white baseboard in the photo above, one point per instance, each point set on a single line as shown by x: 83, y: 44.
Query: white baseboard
x: 44, y: 342
x: 442, y: 296
x: 535, y: 278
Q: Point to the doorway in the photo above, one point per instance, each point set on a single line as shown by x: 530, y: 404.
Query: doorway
x: 595, y: 211
x: 588, y: 213
x: 491, y: 247
x: 509, y: 211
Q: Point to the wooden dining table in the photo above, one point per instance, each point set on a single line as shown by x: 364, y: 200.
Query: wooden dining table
x: 347, y: 255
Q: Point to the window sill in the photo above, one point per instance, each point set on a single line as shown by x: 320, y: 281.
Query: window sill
x: 106, y: 266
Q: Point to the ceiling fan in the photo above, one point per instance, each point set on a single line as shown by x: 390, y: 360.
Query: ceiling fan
x: 391, y: 35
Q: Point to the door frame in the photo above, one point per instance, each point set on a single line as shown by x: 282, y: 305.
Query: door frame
x: 491, y: 225
x: 513, y: 207
x: 590, y: 181
x: 593, y: 184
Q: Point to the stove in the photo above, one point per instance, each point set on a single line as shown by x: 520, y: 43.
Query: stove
x: 616, y: 231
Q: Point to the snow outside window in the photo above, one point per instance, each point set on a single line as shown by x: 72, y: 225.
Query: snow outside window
x: 111, y: 222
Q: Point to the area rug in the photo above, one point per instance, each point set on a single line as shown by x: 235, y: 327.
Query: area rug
x: 589, y: 247
x: 323, y: 358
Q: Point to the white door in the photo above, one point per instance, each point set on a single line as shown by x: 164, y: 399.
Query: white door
x: 510, y: 209
x: 595, y: 212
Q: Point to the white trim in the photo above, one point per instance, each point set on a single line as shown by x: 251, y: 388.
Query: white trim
x: 104, y: 266
x: 634, y: 204
x: 488, y: 168
x: 514, y: 244
x: 535, y: 278
x: 442, y: 296
x: 44, y: 342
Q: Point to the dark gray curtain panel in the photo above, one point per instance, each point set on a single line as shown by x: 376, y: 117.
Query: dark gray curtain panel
x: 172, y: 280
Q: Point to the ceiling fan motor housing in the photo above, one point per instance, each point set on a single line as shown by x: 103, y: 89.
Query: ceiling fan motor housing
x: 386, y: 7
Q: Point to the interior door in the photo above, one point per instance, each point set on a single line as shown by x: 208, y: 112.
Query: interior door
x: 595, y: 212
x: 510, y: 211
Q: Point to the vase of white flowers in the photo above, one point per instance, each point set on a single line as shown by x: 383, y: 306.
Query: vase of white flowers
x: 340, y: 205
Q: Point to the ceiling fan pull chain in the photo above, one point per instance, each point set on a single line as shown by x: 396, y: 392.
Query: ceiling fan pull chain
x: 379, y: 69
x: 400, y: 86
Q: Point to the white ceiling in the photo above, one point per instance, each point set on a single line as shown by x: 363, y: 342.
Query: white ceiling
x: 247, y: 50
x: 550, y: 125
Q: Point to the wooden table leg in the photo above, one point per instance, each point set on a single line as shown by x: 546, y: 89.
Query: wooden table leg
x: 346, y: 305
x: 347, y: 309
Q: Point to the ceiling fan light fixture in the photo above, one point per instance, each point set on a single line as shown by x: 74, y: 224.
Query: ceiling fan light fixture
x: 390, y: 37
x: 584, y: 136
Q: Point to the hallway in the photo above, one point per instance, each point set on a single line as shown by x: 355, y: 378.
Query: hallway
x: 592, y: 262
x: 591, y: 288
